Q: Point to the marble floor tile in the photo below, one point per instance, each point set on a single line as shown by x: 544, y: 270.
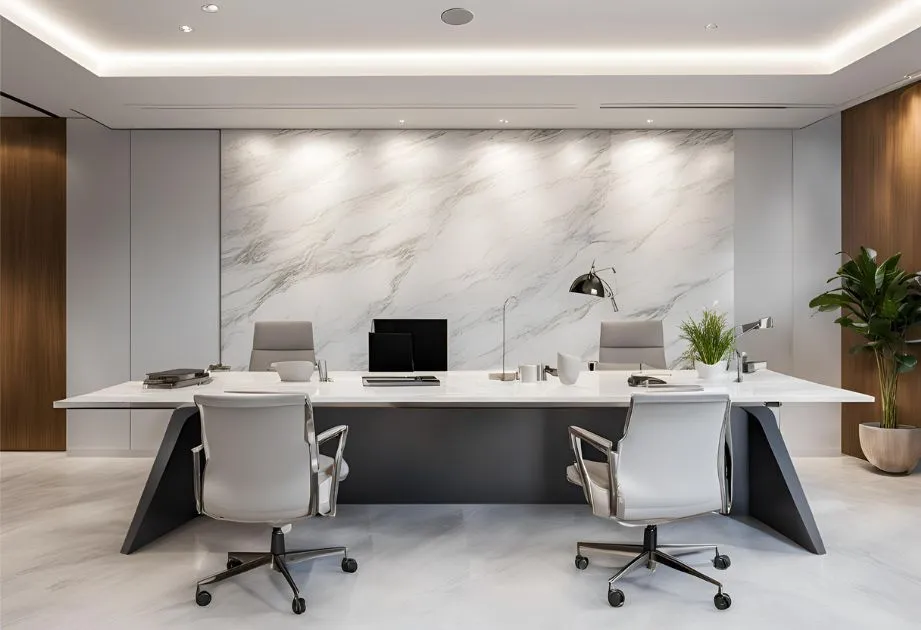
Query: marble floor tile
x: 447, y: 566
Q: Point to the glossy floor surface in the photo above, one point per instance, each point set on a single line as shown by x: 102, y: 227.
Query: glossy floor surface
x: 439, y: 567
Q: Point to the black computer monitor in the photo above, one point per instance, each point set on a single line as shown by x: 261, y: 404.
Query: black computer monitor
x: 429, y: 340
x: 390, y: 352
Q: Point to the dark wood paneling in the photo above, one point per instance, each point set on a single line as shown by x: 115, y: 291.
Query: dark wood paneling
x: 33, y: 237
x: 881, y: 208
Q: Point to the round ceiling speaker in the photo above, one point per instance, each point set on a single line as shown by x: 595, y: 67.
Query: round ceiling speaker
x: 457, y: 17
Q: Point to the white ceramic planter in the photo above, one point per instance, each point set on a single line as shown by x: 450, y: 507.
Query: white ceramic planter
x: 711, y: 372
x: 891, y: 450
x: 568, y: 368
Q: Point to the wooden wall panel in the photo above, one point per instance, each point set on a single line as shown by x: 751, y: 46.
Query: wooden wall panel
x: 881, y: 208
x: 33, y: 236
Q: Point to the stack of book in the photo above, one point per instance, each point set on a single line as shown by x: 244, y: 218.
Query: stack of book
x: 181, y: 377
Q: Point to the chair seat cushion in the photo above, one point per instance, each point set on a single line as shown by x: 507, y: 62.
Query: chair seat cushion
x: 641, y: 509
x: 325, y: 479
x: 599, y: 485
x: 597, y: 473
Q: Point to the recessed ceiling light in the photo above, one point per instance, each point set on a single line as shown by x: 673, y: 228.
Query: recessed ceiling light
x: 712, y: 26
x: 185, y: 28
x: 210, y: 8
x: 456, y: 17
x: 649, y: 121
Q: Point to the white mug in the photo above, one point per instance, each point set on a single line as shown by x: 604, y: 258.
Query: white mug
x: 528, y: 373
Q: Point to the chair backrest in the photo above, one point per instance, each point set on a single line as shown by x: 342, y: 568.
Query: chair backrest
x: 632, y: 342
x: 281, y: 341
x: 671, y: 461
x: 258, y: 452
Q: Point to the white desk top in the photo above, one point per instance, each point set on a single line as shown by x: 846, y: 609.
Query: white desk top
x: 463, y: 389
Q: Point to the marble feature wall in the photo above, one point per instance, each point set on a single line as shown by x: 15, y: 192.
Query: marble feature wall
x: 339, y: 227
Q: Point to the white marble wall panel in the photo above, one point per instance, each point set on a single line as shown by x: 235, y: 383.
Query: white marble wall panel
x: 339, y: 227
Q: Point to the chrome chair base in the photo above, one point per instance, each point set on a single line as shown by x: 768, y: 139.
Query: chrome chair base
x: 651, y: 554
x: 239, y: 562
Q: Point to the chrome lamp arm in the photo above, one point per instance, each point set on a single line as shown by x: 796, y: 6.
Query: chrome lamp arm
x: 341, y: 432
x: 610, y: 291
x: 764, y: 322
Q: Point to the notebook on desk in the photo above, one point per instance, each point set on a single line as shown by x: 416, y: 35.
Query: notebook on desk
x: 399, y: 381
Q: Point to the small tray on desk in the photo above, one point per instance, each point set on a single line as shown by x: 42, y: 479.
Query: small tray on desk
x: 400, y: 381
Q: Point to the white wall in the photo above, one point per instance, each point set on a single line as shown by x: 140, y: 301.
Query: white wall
x: 450, y: 223
x: 788, y: 229
x: 764, y: 243
x: 816, y: 241
x: 143, y: 269
x: 144, y: 282
x: 98, y: 279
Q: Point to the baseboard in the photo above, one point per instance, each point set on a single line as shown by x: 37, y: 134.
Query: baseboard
x: 94, y: 452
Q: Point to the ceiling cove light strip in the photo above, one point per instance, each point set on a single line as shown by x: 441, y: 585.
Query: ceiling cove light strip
x: 880, y: 30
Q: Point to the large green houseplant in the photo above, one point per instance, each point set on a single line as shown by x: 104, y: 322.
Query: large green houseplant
x: 881, y: 303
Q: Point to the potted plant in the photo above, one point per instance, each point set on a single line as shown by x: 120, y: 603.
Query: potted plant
x: 881, y: 303
x: 710, y: 342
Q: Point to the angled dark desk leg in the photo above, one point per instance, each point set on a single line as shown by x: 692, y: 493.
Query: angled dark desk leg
x: 775, y: 496
x: 168, y: 499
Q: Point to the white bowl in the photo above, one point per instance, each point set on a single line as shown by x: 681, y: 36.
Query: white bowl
x: 296, y: 371
x: 568, y: 368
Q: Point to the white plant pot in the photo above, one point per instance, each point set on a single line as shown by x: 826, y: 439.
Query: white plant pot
x: 568, y: 368
x: 891, y: 450
x: 711, y: 373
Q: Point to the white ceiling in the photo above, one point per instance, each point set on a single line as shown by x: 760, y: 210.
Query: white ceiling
x: 535, y: 62
x: 514, y: 37
x: 117, y: 25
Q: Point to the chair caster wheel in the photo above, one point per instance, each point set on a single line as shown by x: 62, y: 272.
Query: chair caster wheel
x: 722, y: 601
x: 721, y: 562
x: 581, y: 562
x: 232, y: 563
x: 298, y: 605
x: 202, y: 598
x: 616, y: 598
x: 349, y: 565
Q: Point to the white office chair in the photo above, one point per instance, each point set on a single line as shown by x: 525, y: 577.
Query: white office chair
x: 669, y: 465
x: 631, y: 345
x: 262, y: 465
x: 281, y: 341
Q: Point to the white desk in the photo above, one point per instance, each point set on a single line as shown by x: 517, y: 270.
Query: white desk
x: 461, y: 389
x: 472, y: 440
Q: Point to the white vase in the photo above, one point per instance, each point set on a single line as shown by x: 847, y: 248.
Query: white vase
x: 568, y: 368
x: 711, y: 373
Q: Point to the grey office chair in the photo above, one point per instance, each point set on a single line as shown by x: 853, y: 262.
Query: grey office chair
x: 631, y: 344
x: 281, y: 341
x: 670, y: 464
x: 262, y: 465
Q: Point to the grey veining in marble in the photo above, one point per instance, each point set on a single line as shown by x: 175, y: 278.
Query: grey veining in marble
x: 339, y: 227
x: 447, y: 567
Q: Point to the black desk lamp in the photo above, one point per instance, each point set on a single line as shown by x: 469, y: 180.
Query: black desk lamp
x: 592, y: 284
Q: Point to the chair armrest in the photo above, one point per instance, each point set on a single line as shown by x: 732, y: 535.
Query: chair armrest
x: 313, y: 449
x: 329, y: 434
x: 578, y: 435
x: 196, y: 472
x: 342, y: 432
x: 593, y: 439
